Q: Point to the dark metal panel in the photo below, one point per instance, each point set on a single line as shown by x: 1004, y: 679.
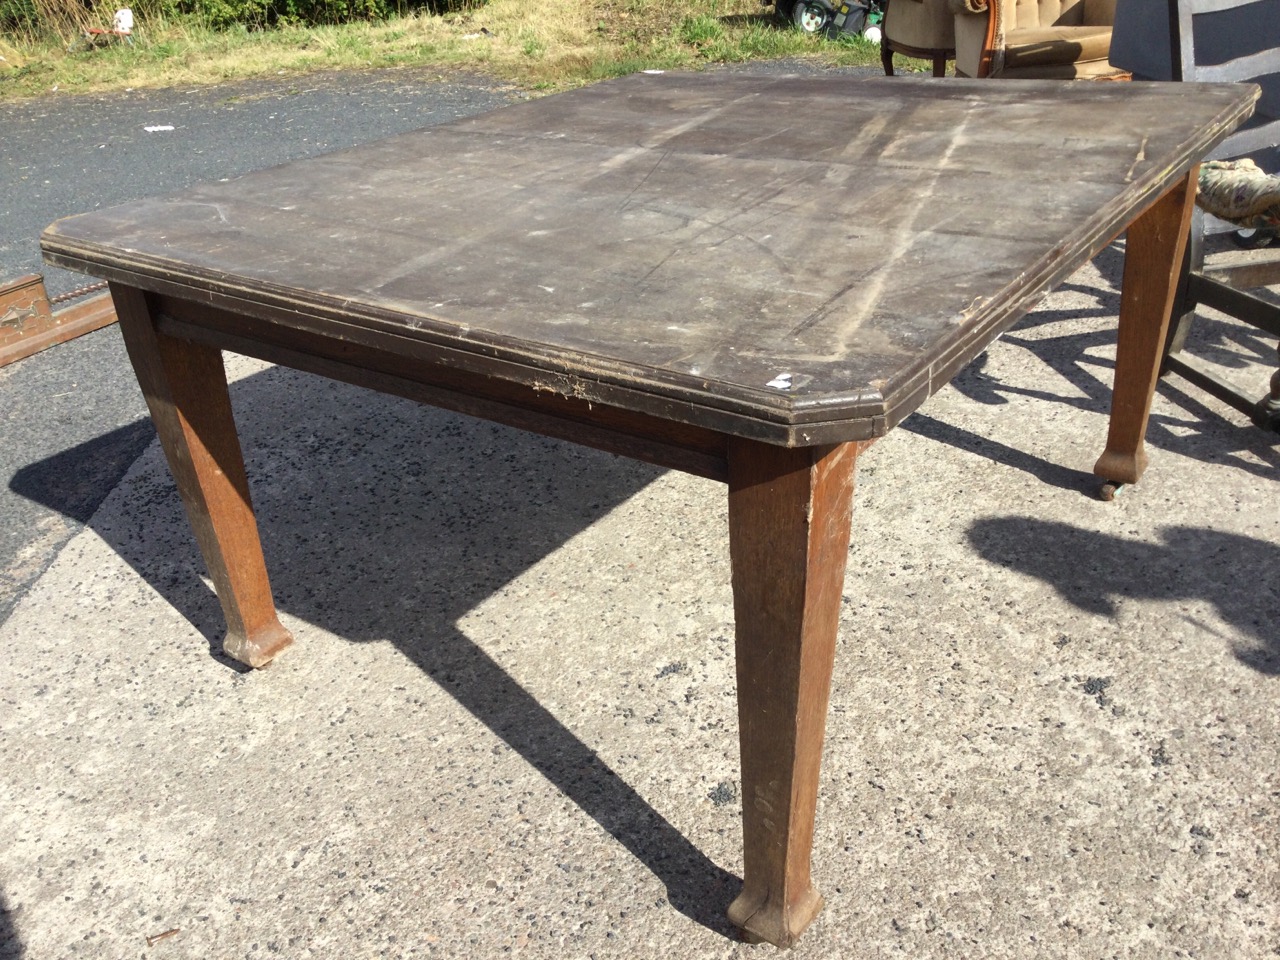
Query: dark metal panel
x: 1194, y: 370
x: 1237, y: 303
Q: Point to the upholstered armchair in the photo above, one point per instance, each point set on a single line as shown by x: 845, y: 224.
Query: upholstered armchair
x: 925, y: 29
x: 1043, y: 39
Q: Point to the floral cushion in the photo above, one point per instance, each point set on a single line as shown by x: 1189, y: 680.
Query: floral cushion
x: 1240, y: 192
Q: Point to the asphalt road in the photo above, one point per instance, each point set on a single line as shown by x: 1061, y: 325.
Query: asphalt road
x: 73, y: 419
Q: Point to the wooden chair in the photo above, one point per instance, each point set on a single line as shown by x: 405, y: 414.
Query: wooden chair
x: 1034, y: 39
x: 1216, y: 40
x: 924, y: 29
x: 29, y: 323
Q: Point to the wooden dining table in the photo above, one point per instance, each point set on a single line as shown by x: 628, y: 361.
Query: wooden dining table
x: 749, y: 278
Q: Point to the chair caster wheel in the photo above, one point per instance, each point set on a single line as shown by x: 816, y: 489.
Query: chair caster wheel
x: 1109, y: 490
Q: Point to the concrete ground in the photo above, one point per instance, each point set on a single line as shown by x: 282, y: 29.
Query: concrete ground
x: 507, y: 727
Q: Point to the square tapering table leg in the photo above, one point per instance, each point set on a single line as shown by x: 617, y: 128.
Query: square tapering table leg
x: 1154, y: 247
x: 185, y: 386
x: 789, y: 516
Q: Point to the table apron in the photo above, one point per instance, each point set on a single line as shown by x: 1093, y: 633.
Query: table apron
x: 663, y: 443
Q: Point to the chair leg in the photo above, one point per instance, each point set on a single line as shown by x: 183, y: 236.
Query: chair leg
x: 1267, y: 413
x: 1183, y: 310
x: 886, y: 57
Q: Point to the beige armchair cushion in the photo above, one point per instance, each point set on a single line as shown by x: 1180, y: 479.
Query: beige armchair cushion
x: 1046, y: 46
x: 1060, y: 13
x: 1100, y: 11
x: 1028, y: 14
x: 1042, y: 39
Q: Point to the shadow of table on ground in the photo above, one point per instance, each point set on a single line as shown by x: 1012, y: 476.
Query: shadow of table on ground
x: 1092, y: 570
x: 1072, y: 351
x: 385, y: 520
x: 11, y: 947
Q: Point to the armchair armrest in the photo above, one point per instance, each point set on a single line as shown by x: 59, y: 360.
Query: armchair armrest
x: 979, y: 36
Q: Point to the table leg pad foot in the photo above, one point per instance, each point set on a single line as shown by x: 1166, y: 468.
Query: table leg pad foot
x: 258, y: 648
x: 1121, y: 467
x: 765, y: 920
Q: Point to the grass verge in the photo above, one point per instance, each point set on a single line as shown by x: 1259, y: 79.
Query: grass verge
x: 550, y: 44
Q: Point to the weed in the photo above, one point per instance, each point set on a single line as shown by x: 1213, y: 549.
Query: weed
x: 700, y: 30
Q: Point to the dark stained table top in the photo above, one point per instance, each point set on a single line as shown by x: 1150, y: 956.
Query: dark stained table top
x: 808, y: 258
